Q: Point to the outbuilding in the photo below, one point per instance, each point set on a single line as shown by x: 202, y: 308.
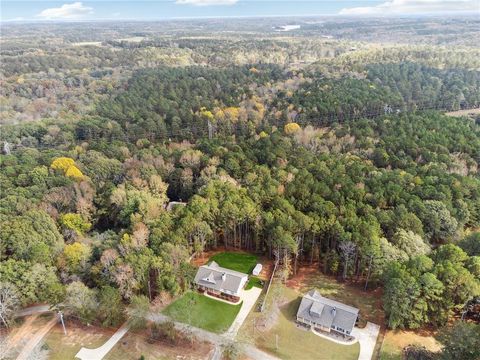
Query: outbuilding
x: 257, y: 269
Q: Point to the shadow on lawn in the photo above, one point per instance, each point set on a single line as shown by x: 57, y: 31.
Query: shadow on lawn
x: 289, y: 310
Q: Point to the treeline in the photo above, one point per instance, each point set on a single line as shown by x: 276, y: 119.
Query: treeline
x: 386, y: 89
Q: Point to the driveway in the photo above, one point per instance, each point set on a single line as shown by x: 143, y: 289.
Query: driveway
x: 100, y: 352
x: 249, y: 298
x: 367, y: 337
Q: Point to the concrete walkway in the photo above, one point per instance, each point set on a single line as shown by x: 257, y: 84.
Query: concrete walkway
x: 249, y: 298
x: 100, y: 352
x: 367, y: 337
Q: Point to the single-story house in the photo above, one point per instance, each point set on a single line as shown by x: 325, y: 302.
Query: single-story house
x: 220, y: 282
x: 325, y: 314
x: 257, y: 269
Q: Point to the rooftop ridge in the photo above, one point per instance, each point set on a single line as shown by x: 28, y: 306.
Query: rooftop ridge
x: 213, y: 266
x: 314, y: 295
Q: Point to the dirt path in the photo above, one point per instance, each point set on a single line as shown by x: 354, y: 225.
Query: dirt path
x: 35, y: 340
x: 16, y: 338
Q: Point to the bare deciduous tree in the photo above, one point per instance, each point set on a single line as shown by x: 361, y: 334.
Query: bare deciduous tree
x: 348, y: 249
x: 9, y: 302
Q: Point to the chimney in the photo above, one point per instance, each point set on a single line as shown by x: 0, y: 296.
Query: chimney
x: 224, y: 276
x: 334, y: 311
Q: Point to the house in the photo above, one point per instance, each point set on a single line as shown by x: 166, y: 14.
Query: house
x: 257, y: 269
x: 220, y: 282
x: 324, y: 314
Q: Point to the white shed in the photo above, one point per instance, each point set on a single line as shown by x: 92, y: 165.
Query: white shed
x: 257, y: 269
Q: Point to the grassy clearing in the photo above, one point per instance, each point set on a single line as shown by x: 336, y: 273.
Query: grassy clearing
x: 237, y: 261
x: 63, y: 347
x: 203, y: 312
x: 396, y: 340
x: 293, y: 342
x: 254, y: 281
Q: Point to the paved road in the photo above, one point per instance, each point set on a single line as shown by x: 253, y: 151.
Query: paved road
x: 33, y: 310
x: 100, y: 352
x: 367, y: 337
x: 35, y: 340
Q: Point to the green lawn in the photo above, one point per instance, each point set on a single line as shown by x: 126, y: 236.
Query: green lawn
x: 242, y: 262
x: 295, y: 343
x: 203, y: 312
x: 254, y: 281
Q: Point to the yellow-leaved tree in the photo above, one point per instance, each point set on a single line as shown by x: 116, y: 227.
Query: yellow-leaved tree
x: 74, y: 172
x: 291, y: 128
x: 67, y: 165
x: 62, y: 163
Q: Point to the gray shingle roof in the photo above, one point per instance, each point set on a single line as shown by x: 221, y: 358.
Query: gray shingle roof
x: 327, y: 312
x: 217, y: 278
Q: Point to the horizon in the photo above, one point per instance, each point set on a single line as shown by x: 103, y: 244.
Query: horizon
x: 109, y: 11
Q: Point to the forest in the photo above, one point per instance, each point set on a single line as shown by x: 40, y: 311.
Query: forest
x: 345, y: 161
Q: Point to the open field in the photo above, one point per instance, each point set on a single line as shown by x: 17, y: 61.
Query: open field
x: 134, y: 345
x: 263, y: 329
x: 203, y: 312
x: 237, y: 261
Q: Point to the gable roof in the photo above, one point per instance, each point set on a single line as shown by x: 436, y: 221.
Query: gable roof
x: 215, y: 277
x: 326, y: 312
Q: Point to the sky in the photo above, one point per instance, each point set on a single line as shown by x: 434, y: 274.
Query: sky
x: 37, y: 10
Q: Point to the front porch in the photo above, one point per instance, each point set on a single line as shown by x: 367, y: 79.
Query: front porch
x: 325, y: 332
x: 218, y: 295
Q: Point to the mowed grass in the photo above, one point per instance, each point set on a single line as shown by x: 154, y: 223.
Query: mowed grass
x: 254, y: 281
x: 242, y: 262
x: 203, y: 312
x: 297, y: 343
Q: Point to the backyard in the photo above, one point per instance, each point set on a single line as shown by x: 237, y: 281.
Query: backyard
x: 369, y: 303
x: 396, y: 340
x: 203, y: 312
x: 238, y: 261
